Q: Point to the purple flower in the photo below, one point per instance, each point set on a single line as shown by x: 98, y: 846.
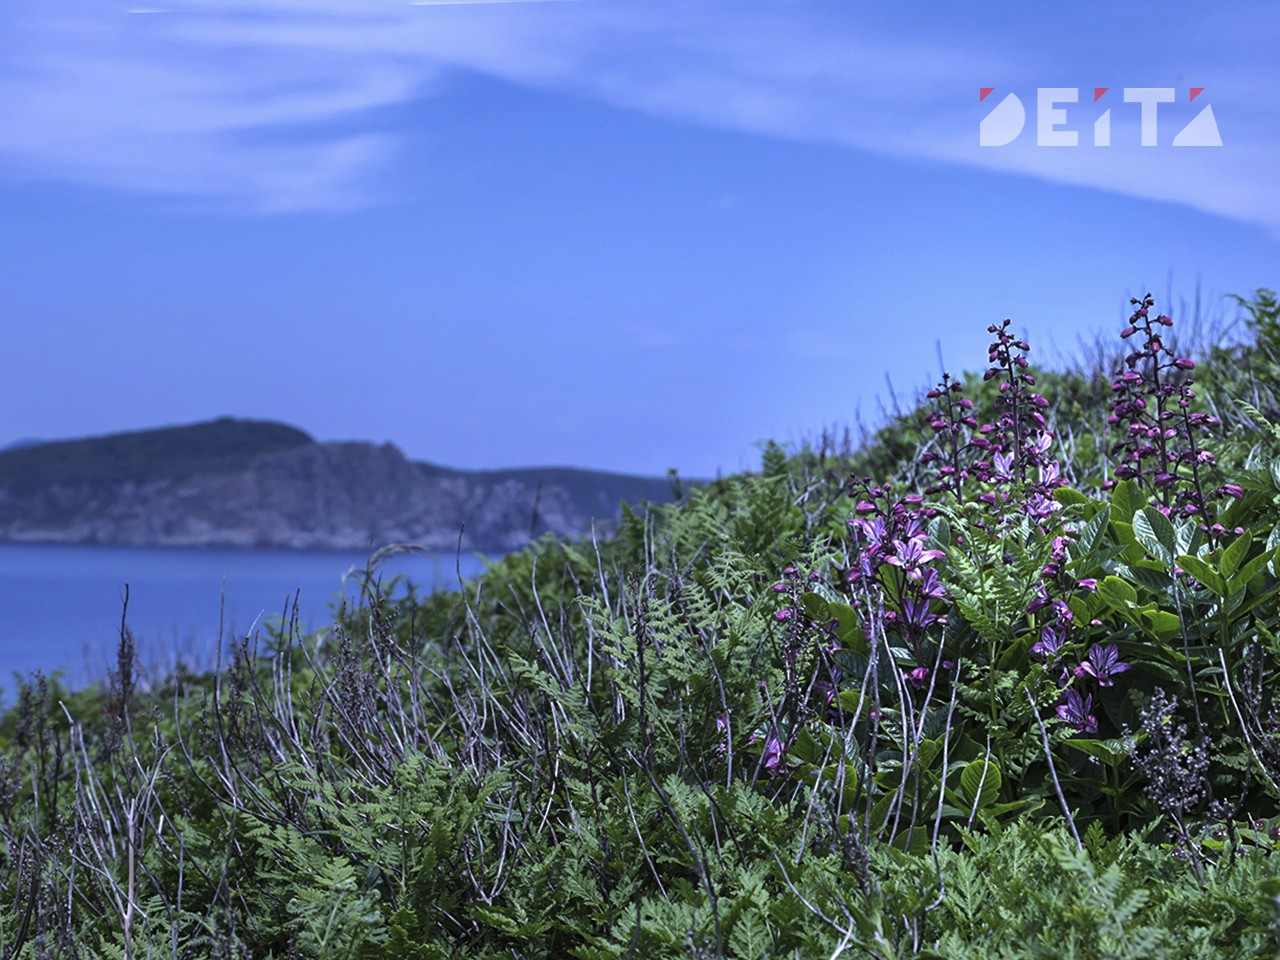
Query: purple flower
x: 912, y: 554
x: 916, y: 612
x: 1078, y: 711
x: 784, y: 614
x: 1103, y: 662
x: 919, y: 677
x: 930, y: 585
x: 873, y: 530
x: 772, y: 756
x: 1050, y: 642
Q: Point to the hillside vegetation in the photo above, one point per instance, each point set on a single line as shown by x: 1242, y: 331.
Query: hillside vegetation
x: 1000, y: 685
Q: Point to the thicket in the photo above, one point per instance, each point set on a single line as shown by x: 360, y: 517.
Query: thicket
x: 1000, y: 685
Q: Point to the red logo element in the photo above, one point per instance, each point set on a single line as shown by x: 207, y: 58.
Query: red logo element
x: 984, y: 92
x: 1098, y: 92
x: 1196, y: 91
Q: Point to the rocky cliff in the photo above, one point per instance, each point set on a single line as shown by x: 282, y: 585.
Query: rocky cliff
x: 235, y: 487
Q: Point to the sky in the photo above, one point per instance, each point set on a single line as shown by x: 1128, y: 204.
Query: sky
x: 630, y: 235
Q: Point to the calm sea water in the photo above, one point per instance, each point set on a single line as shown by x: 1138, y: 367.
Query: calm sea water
x: 60, y: 606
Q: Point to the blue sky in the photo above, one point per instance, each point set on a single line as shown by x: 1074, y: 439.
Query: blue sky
x: 606, y: 233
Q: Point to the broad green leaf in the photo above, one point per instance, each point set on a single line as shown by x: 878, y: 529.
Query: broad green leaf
x: 1068, y: 497
x: 1151, y: 574
x: 1127, y: 499
x: 1235, y: 553
x: 1250, y: 570
x: 1190, y: 538
x: 1162, y: 623
x: 1079, y: 608
x: 1117, y: 593
x: 1274, y: 467
x: 851, y: 701
x: 981, y: 781
x: 1204, y: 573
x: 1133, y: 552
x: 1093, y: 530
x: 1155, y: 533
x: 849, y: 627
x: 913, y: 840
x: 815, y: 607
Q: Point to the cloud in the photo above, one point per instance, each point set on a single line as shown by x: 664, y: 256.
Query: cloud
x: 271, y: 104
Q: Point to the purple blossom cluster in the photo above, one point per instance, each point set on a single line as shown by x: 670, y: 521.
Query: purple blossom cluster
x: 952, y: 421
x: 891, y: 544
x: 1016, y: 446
x: 1098, y: 669
x: 1151, y: 409
x: 1011, y: 454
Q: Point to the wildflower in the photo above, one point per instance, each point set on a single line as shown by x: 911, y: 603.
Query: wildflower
x: 911, y: 554
x: 772, y: 756
x: 786, y: 613
x: 919, y: 677
x: 1078, y: 711
x: 930, y: 585
x: 1103, y: 662
x: 916, y: 612
x: 1050, y: 642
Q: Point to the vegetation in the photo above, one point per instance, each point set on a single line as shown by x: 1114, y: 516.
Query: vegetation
x: 222, y: 445
x: 1009, y: 695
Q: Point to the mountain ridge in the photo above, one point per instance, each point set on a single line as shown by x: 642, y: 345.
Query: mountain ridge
x: 251, y: 483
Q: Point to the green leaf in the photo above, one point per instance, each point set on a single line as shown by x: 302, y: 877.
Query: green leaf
x: 1204, y: 573
x: 980, y: 781
x: 1250, y: 570
x: 1117, y: 593
x: 1190, y: 538
x: 1162, y: 623
x: 815, y: 607
x: 1068, y: 497
x: 849, y: 628
x: 1127, y: 499
x: 1155, y: 533
x: 1235, y: 553
x: 1093, y: 530
x: 1110, y: 752
x: 1132, y: 552
x: 851, y: 701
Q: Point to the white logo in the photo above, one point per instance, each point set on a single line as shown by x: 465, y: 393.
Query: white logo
x: 1006, y: 121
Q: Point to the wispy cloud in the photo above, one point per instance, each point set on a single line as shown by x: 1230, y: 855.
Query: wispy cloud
x: 266, y: 104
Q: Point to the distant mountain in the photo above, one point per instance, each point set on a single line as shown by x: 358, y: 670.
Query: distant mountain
x: 20, y: 444
x: 249, y: 483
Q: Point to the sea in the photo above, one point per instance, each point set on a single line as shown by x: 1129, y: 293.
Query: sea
x: 61, y: 607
